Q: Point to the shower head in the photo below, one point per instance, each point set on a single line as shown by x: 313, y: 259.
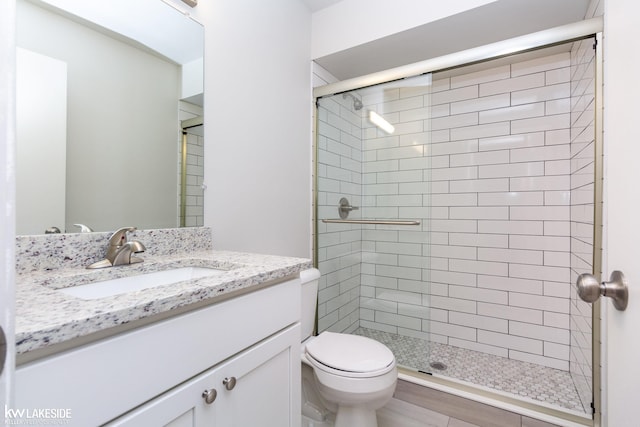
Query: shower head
x: 357, y: 104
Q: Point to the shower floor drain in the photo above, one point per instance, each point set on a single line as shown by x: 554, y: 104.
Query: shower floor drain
x: 438, y: 366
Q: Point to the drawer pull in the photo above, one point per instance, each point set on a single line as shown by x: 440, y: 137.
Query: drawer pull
x: 209, y: 396
x: 229, y: 383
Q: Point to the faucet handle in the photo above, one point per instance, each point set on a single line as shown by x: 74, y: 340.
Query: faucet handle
x: 119, y: 237
x: 84, y: 228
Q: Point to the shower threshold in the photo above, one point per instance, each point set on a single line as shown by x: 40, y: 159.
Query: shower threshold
x: 521, y: 379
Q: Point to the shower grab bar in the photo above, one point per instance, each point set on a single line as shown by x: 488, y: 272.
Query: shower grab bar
x: 369, y: 222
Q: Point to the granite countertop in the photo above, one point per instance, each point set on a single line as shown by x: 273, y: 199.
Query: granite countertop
x: 45, y: 316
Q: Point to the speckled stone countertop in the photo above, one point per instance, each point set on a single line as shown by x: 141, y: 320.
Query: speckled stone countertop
x: 45, y: 316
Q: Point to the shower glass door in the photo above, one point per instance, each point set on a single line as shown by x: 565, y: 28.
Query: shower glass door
x: 480, y: 180
x: 373, y: 211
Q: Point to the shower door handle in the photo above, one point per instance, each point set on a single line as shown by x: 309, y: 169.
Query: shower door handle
x: 616, y: 288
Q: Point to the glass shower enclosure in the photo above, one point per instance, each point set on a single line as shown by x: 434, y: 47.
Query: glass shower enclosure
x: 454, y: 211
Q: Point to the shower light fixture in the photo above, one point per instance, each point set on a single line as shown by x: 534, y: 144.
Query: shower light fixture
x: 379, y: 121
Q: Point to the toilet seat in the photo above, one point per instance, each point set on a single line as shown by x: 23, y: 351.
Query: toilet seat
x: 349, y: 355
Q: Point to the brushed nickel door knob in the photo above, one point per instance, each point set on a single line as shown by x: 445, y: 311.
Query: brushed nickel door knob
x: 589, y: 289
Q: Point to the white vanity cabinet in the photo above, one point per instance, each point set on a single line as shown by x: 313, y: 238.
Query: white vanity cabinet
x: 155, y: 375
x: 251, y: 389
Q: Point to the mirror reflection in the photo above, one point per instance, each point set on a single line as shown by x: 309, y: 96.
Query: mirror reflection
x: 108, y: 96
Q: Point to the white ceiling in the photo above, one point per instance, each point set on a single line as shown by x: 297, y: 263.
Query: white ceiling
x: 151, y: 23
x: 490, y: 23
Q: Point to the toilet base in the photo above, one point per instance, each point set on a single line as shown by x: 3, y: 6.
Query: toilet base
x: 351, y: 416
x: 346, y: 417
x: 310, y: 422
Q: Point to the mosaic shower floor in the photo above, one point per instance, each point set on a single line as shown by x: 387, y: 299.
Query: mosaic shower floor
x: 528, y: 380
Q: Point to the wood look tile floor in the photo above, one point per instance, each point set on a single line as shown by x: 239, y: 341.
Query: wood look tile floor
x: 417, y: 406
x: 398, y: 413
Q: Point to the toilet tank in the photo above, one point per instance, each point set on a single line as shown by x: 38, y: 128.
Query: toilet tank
x: 309, y: 282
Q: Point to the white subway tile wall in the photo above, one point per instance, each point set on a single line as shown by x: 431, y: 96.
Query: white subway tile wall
x: 339, y: 246
x: 491, y: 178
x: 195, y: 178
x: 582, y: 208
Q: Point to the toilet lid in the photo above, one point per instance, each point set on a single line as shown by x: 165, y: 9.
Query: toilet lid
x: 350, y: 353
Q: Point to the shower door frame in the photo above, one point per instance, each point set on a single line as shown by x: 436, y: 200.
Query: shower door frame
x: 535, y: 41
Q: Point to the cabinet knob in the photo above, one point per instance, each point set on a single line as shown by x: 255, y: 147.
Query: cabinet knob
x: 209, y: 396
x: 229, y: 383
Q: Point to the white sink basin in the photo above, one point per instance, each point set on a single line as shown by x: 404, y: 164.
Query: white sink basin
x: 107, y: 288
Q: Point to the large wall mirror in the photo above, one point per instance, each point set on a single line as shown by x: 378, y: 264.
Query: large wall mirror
x: 109, y: 98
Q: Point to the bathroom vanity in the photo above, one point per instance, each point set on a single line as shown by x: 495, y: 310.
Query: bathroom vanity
x: 203, y: 351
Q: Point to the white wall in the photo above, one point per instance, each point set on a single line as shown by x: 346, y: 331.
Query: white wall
x: 192, y: 78
x: 320, y: 76
x: 621, y: 382
x: 41, y: 97
x: 258, y: 126
x: 352, y: 22
x: 7, y: 191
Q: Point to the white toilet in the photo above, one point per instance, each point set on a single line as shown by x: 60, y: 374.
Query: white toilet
x: 346, y: 375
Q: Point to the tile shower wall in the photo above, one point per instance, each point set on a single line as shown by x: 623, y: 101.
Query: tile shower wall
x: 582, y: 209
x: 489, y: 162
x: 582, y: 204
x: 195, y: 177
x: 396, y: 185
x: 339, y: 128
x: 497, y: 279
x: 195, y: 167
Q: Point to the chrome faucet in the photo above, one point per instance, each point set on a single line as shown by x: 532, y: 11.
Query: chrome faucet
x: 120, y: 251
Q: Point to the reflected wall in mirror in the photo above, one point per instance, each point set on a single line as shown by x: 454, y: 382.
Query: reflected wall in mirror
x: 102, y: 91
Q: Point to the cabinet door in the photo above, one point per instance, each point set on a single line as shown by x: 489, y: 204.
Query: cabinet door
x: 267, y: 380
x: 258, y: 387
x: 183, y: 406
